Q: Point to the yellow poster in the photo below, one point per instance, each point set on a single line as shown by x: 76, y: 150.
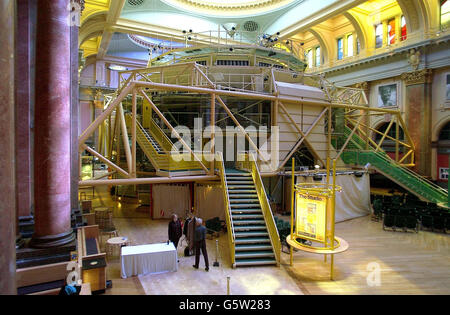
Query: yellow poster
x: 311, y: 214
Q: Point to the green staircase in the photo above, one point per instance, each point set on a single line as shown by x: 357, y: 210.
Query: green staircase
x: 411, y: 181
x: 252, y: 242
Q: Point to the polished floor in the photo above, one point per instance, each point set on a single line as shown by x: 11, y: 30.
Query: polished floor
x: 377, y: 262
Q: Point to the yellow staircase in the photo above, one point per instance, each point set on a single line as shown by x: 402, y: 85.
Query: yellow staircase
x: 252, y: 233
x: 157, y: 147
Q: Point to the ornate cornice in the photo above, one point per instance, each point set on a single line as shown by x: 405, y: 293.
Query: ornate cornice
x: 214, y: 5
x: 234, y: 7
x: 418, y: 77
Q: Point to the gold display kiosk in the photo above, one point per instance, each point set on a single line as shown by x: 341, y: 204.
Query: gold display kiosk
x: 313, y: 214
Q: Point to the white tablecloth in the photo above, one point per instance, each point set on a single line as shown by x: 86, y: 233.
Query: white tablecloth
x: 145, y: 259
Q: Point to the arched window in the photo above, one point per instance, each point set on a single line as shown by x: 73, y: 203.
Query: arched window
x: 318, y: 57
x: 309, y: 57
x: 404, y: 30
x: 379, y: 36
x: 444, y: 135
x: 350, y: 45
x: 391, y: 32
x: 340, y: 48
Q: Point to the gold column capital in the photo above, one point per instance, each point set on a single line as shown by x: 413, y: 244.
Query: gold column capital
x: 418, y: 77
x: 363, y: 85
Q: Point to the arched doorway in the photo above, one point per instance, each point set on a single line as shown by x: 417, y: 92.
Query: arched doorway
x: 443, y: 152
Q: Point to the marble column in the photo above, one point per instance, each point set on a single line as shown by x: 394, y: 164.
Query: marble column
x: 418, y: 116
x: 7, y: 178
x: 52, y: 141
x: 74, y: 121
x: 24, y: 86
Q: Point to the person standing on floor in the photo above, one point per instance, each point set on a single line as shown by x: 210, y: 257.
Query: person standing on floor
x: 175, y: 230
x: 200, y: 243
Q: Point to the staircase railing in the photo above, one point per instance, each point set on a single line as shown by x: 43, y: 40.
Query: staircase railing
x: 167, y: 161
x: 231, y: 236
x: 266, y: 210
x: 398, y: 172
x: 160, y: 136
x: 159, y: 161
x: 433, y: 191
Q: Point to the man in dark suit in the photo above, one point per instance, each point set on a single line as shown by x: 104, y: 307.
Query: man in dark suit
x: 175, y: 231
x: 200, y: 243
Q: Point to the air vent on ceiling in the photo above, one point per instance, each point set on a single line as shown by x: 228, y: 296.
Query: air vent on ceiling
x: 135, y: 3
x: 251, y: 26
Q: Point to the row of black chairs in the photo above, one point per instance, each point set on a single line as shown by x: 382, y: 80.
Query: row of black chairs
x: 408, y: 213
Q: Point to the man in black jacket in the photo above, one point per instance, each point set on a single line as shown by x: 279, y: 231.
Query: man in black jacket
x: 200, y: 243
x: 175, y: 231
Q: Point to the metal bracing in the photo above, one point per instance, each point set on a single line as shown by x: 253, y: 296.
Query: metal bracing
x: 194, y: 78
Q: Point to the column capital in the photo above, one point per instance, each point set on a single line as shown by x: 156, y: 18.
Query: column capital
x: 363, y: 85
x: 80, y: 3
x: 418, y: 77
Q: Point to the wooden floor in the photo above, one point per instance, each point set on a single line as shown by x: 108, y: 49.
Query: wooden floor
x: 407, y: 263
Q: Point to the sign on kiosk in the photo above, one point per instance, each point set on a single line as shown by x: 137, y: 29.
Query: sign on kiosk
x: 311, y: 216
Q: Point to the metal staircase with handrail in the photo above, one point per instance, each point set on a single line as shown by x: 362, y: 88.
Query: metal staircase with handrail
x: 252, y: 232
x: 411, y: 181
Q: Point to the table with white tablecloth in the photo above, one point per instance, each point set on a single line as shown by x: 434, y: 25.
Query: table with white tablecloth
x: 145, y: 259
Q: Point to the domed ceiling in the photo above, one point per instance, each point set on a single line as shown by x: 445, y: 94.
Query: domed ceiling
x: 229, y: 7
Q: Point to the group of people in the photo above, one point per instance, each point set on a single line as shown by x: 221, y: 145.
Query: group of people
x: 175, y: 233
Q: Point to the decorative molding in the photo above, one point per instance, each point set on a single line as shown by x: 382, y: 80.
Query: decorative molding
x: 414, y: 58
x: 363, y: 85
x: 80, y: 3
x: 418, y: 77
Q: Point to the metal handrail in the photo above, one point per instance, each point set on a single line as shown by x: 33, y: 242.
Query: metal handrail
x: 411, y: 173
x: 265, y: 206
x: 231, y: 235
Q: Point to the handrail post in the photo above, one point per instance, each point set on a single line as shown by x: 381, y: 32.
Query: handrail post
x: 291, y: 251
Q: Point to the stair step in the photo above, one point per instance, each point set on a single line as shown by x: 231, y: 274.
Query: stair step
x: 252, y: 240
x: 255, y: 262
x: 232, y: 186
x: 252, y: 247
x: 236, y: 199
x: 239, y: 182
x: 237, y: 174
x: 254, y: 210
x: 240, y: 234
x: 255, y: 254
x: 250, y: 196
x: 241, y: 216
x: 247, y: 228
x: 248, y: 222
x: 244, y: 205
x: 240, y: 191
x: 244, y: 178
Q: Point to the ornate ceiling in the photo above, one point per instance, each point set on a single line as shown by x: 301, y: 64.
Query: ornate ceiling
x: 229, y: 7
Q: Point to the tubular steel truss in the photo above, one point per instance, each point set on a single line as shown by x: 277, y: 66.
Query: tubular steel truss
x: 347, y: 104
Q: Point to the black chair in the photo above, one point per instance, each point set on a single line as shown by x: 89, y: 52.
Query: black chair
x: 377, y: 209
x: 400, y: 222
x: 447, y: 224
x: 439, y: 223
x: 412, y: 224
x: 389, y: 222
x: 427, y: 222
